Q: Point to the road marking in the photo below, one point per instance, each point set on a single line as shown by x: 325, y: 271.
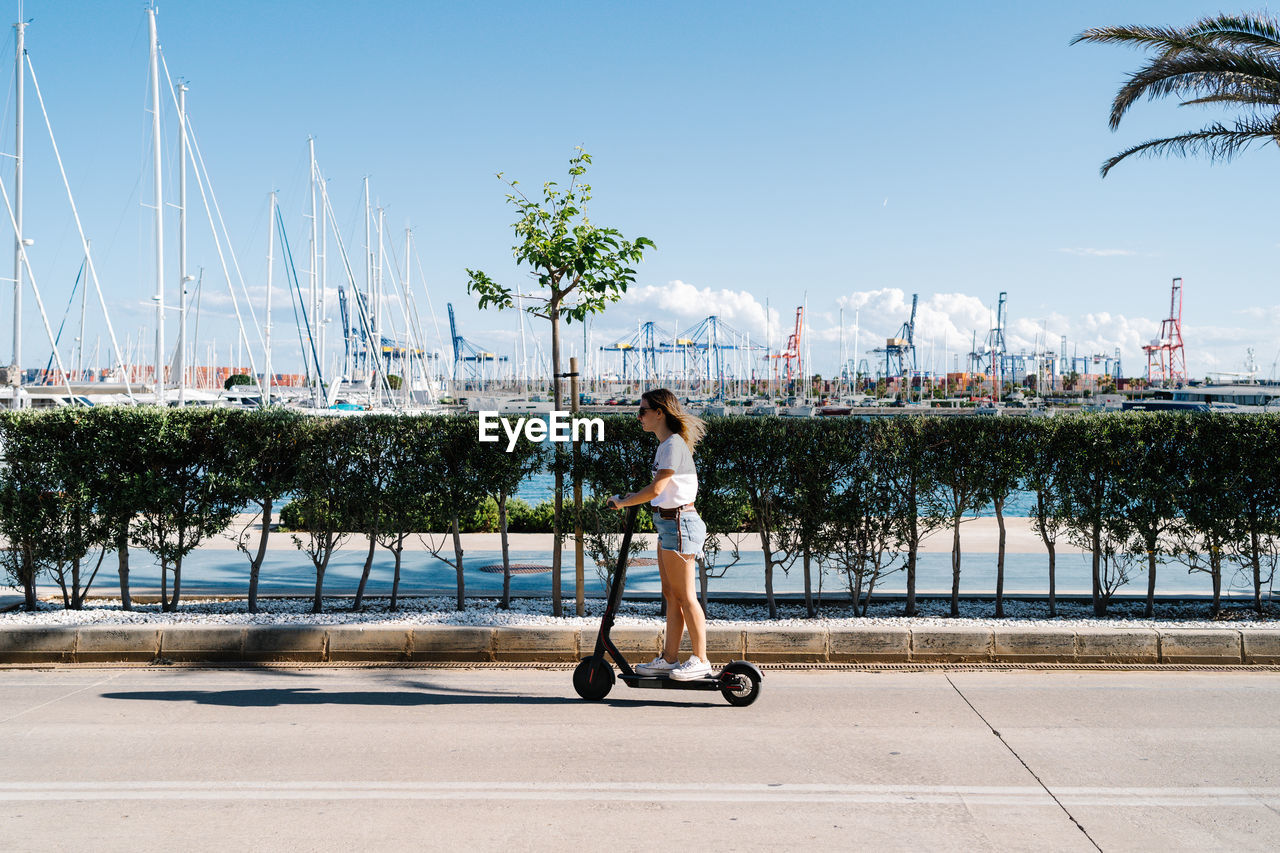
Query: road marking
x: 641, y: 792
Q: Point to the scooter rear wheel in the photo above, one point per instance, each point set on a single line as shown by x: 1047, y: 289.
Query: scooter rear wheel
x: 747, y: 678
x: 593, y: 678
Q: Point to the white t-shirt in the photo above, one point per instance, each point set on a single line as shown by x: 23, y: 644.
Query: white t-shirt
x: 673, y: 454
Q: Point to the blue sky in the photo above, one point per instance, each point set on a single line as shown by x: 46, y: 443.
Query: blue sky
x: 847, y: 153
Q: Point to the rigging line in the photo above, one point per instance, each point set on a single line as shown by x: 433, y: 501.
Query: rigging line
x: 366, y: 328
x: 84, y: 241
x: 399, y: 289
x: 35, y: 289
x: 235, y: 262
x: 292, y: 272
x: 65, y: 314
x: 435, y: 321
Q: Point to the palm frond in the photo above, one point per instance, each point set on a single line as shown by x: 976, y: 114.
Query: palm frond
x: 1223, y: 32
x: 1217, y: 142
x: 1202, y: 72
x: 1251, y: 32
x: 1253, y: 98
x: 1158, y: 37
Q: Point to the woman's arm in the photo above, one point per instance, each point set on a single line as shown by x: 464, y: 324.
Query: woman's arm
x: 646, y: 494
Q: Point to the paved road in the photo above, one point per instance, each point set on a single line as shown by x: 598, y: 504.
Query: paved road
x: 411, y: 759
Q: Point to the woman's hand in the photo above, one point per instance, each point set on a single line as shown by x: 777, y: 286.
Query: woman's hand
x: 614, y: 502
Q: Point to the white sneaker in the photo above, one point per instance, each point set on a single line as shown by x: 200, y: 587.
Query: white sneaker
x: 691, y: 669
x: 657, y: 666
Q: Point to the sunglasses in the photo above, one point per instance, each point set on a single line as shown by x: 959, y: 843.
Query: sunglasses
x: 644, y: 409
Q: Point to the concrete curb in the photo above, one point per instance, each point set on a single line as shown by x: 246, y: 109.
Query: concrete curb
x: 392, y: 643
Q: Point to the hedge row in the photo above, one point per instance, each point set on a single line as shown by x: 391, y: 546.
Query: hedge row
x: 850, y: 495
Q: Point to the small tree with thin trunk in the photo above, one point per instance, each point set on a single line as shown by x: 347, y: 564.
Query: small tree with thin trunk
x: 123, y: 436
x: 1004, y: 454
x: 960, y: 484
x: 408, y: 493
x: 1149, y: 485
x: 1043, y: 477
x: 460, y: 486
x: 504, y: 471
x: 191, y: 491
x: 815, y: 469
x: 754, y: 466
x: 1092, y: 502
x: 327, y: 473
x: 266, y: 443
x: 372, y: 439
x: 581, y: 269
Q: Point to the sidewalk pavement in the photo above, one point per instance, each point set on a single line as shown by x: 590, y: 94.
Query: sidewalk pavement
x: 818, y: 645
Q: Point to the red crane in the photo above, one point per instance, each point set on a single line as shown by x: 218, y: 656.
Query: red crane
x: 1166, y: 360
x: 791, y: 355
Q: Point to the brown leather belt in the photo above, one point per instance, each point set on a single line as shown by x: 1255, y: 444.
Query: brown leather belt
x: 673, y: 512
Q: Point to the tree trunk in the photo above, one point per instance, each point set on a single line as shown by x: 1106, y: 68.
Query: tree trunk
x: 164, y: 586
x: 395, y: 578
x: 364, y: 575
x: 999, y: 502
x: 955, y: 567
x: 505, y: 603
x: 768, y: 575
x: 1149, y: 611
x: 557, y: 526
x: 808, y: 587
x: 177, y: 583
x: 457, y: 554
x: 1215, y: 571
x: 76, y: 599
x: 318, y: 602
x: 703, y: 580
x: 1099, y: 606
x: 1053, y: 578
x: 913, y: 548
x: 1257, y: 568
x: 122, y: 559
x: 256, y: 566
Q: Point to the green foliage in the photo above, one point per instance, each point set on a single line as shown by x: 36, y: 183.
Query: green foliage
x: 394, y: 382
x: 237, y: 379
x: 1228, y: 60
x: 1131, y: 489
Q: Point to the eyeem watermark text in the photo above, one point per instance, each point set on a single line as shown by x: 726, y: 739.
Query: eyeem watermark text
x: 558, y: 427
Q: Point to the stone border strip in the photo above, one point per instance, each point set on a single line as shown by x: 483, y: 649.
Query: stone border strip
x: 437, y: 643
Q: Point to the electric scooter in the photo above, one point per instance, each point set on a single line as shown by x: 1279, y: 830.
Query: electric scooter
x: 593, y: 678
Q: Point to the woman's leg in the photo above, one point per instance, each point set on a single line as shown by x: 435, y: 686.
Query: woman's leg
x: 675, y: 615
x: 678, y: 572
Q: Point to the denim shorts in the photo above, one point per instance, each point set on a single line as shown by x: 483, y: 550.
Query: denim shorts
x: 686, y: 534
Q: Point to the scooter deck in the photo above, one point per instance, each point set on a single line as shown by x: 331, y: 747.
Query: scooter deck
x: 707, y: 682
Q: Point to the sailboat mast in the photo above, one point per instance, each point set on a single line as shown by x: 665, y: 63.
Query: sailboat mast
x: 183, y: 278
x: 317, y: 393
x: 368, y: 286
x: 271, y: 251
x: 16, y: 368
x: 159, y: 202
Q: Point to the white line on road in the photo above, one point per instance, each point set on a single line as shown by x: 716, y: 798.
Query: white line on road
x: 639, y: 792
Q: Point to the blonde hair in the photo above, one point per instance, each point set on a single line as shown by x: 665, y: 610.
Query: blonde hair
x: 689, y: 427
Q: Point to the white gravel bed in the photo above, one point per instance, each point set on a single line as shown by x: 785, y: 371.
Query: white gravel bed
x: 484, y: 612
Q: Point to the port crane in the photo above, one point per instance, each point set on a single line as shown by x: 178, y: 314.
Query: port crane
x: 467, y: 354
x: 790, y: 356
x: 643, y: 346
x: 702, y: 349
x: 899, y: 351
x: 1166, y: 360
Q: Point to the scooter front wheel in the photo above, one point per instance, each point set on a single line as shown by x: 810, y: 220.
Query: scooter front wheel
x: 593, y: 678
x: 741, y: 683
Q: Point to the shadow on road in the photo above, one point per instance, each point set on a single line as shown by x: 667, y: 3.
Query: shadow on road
x: 273, y: 697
